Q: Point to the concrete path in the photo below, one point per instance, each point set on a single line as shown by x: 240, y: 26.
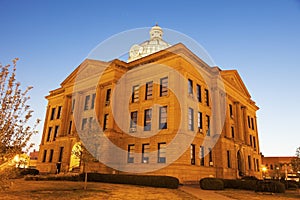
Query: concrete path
x: 197, y: 192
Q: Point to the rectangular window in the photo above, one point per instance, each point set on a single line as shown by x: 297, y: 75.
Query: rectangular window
x: 257, y: 164
x: 207, y: 125
x: 87, y: 102
x: 250, y: 140
x: 55, y: 132
x: 133, y: 121
x: 58, y: 112
x: 230, y: 111
x: 193, y: 154
x: 210, y: 157
x: 145, y: 153
x: 249, y: 162
x: 93, y: 101
x: 49, y: 134
x: 163, y: 117
x: 191, y: 119
x: 249, y: 123
x: 135, y: 94
x: 61, y: 151
x: 161, y: 152
x: 73, y: 105
x: 44, y: 156
x: 130, y: 156
x: 200, y: 126
x: 254, y: 164
x: 190, y: 87
x: 254, y: 142
x: 199, y: 96
x: 149, y: 90
x: 252, y: 123
x: 84, y: 124
x: 202, y: 155
x: 52, y: 114
x: 105, y: 122
x: 163, y: 87
x: 147, y: 119
x: 70, y: 127
x: 107, y: 98
x: 51, y: 155
x: 232, y: 132
x: 228, y: 159
x: 206, y: 97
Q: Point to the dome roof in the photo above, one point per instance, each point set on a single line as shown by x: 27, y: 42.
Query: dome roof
x: 155, y: 44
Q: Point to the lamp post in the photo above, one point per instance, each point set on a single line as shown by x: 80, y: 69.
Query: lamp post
x: 264, y: 170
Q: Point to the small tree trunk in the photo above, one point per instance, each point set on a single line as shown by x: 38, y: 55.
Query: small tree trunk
x: 85, y: 181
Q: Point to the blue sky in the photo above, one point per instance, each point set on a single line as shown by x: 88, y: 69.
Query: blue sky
x: 261, y: 39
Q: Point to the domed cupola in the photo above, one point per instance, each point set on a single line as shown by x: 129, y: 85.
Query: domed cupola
x: 155, y: 44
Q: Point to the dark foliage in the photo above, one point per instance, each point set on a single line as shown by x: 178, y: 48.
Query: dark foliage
x: 290, y: 184
x: 28, y: 171
x: 242, y: 184
x: 270, y: 186
x: 249, y: 178
x: 153, y: 181
x: 211, y: 184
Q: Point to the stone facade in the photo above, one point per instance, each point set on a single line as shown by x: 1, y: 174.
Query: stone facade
x: 165, y: 100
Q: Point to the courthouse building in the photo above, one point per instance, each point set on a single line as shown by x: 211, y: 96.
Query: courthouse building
x: 163, y: 112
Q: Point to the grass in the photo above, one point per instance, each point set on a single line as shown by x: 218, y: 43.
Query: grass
x: 22, y: 189
x: 54, y: 190
x: 251, y: 195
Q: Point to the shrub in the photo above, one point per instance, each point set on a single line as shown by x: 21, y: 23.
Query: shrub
x: 29, y: 171
x: 242, y: 184
x: 290, y: 184
x: 153, y: 181
x: 52, y: 178
x: 270, y: 186
x: 249, y: 178
x: 231, y: 183
x: 211, y: 184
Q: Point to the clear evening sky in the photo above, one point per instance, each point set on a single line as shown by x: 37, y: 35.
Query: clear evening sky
x: 261, y: 39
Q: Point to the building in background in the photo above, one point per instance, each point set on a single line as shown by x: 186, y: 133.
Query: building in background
x: 156, y: 114
x: 33, y: 158
x: 279, y: 168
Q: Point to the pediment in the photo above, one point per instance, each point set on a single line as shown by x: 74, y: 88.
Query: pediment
x: 88, y: 68
x: 234, y: 80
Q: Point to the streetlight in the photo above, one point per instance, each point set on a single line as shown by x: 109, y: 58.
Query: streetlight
x: 264, y: 169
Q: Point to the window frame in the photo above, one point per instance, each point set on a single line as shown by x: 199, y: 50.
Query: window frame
x: 163, y: 88
x: 163, y: 116
x: 145, y: 153
x: 161, y: 157
x: 130, y: 152
x: 135, y: 94
x: 193, y: 154
x: 191, y: 119
x: 199, y: 96
x: 148, y: 119
x: 149, y: 90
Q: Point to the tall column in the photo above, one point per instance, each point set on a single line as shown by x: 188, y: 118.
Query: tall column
x: 256, y: 134
x: 227, y: 122
x: 64, y: 116
x: 45, y: 125
x: 239, y: 123
x: 245, y: 123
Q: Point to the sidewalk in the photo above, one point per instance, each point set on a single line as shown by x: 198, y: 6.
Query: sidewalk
x: 196, y: 191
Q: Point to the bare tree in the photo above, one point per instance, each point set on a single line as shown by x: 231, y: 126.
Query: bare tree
x: 15, y: 113
x: 296, y: 161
